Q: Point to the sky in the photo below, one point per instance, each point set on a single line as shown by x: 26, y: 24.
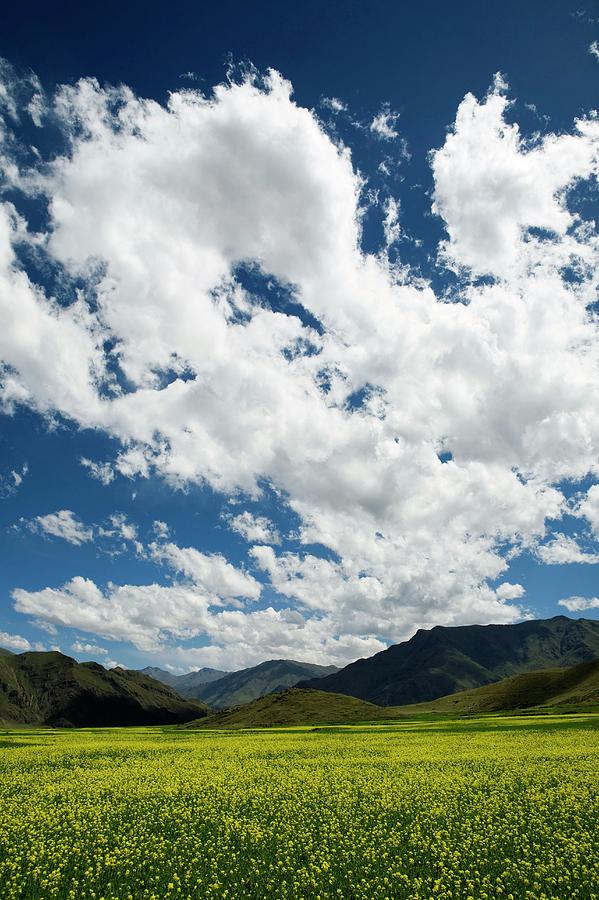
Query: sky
x: 299, y: 339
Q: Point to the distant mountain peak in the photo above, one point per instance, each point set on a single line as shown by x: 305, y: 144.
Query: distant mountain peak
x: 235, y: 688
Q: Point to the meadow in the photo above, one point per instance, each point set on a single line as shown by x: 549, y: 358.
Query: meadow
x: 489, y: 808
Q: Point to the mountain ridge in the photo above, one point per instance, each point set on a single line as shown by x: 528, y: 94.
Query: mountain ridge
x: 49, y: 688
x: 446, y: 659
x: 185, y: 685
x: 251, y: 683
x: 575, y: 688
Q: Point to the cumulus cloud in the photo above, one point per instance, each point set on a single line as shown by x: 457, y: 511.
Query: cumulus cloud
x: 507, y: 591
x: 211, y: 572
x: 563, y: 549
x: 255, y: 529
x: 14, y: 642
x: 18, y: 476
x: 88, y: 649
x: 492, y: 189
x: 123, y: 527
x: 347, y: 411
x: 150, y: 615
x: 580, y: 604
x: 143, y: 615
x: 62, y: 524
x: 588, y: 508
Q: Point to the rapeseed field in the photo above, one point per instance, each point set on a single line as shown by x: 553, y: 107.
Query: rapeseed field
x: 496, y: 808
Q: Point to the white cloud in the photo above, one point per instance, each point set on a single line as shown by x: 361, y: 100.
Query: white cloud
x: 161, y: 529
x: 562, y: 549
x: 579, y: 604
x: 150, y: 615
x: 255, y: 529
x: 588, y: 508
x: 88, y: 649
x: 391, y: 226
x: 10, y: 483
x: 144, y: 615
x: 62, y: 524
x: 507, y: 591
x: 334, y: 104
x: 14, y: 642
x: 118, y: 535
x: 222, y: 391
x: 211, y: 572
x: 102, y: 472
x: 594, y: 49
x: 491, y: 188
x: 21, y: 93
x: 384, y: 124
x: 113, y: 664
x: 123, y: 527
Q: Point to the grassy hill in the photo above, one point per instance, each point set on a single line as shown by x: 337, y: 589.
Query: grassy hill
x: 577, y: 686
x: 445, y: 660
x: 293, y: 707
x: 258, y: 681
x: 53, y: 689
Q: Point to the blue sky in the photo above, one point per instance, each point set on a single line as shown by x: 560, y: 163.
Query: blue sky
x: 298, y: 364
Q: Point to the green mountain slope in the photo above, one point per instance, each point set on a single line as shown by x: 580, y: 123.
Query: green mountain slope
x: 53, y: 689
x: 293, y: 707
x: 185, y: 685
x: 257, y: 681
x: 576, y: 686
x: 445, y: 660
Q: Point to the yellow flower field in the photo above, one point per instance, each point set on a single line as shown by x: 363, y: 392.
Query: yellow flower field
x: 496, y: 808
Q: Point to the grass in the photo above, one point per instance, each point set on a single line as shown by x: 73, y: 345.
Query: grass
x: 498, y: 807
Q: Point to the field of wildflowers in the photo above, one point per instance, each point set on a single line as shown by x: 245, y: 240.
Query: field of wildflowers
x: 495, y: 808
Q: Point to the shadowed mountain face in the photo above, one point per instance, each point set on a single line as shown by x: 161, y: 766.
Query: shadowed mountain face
x: 445, y: 660
x: 185, y: 685
x: 53, y: 689
x: 257, y: 681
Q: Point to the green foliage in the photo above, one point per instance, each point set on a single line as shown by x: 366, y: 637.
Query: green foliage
x: 493, y: 808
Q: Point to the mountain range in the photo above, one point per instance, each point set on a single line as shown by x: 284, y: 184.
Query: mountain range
x: 185, y: 685
x: 235, y: 688
x: 548, y: 690
x: 53, y: 689
x: 435, y: 666
x: 449, y: 659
